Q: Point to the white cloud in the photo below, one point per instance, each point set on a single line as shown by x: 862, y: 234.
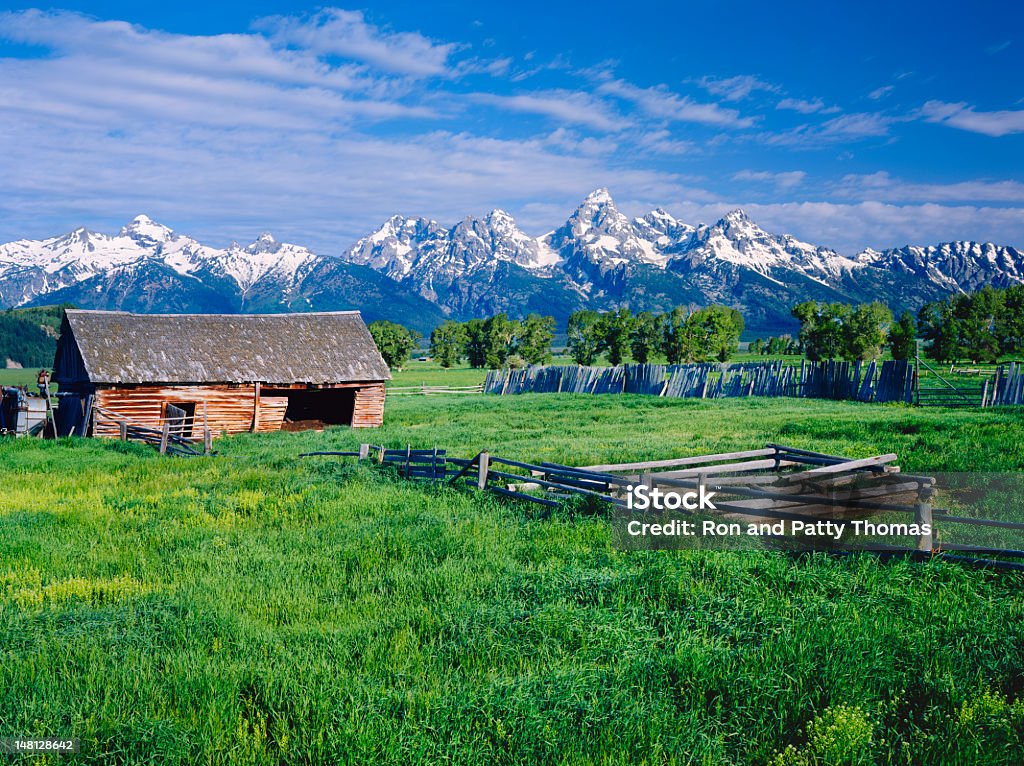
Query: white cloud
x: 572, y: 107
x: 735, y: 88
x: 338, y: 32
x: 783, y: 181
x: 845, y: 128
x: 661, y: 103
x: 805, y: 106
x: 881, y: 92
x: 964, y: 117
x: 882, y: 186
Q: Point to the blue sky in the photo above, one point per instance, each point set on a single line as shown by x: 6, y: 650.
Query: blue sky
x: 846, y: 124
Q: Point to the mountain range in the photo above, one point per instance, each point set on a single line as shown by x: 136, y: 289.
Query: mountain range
x: 415, y: 271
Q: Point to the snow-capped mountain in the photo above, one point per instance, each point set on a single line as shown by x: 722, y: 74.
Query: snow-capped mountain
x: 957, y: 266
x: 417, y: 271
x: 601, y: 258
x: 148, y: 267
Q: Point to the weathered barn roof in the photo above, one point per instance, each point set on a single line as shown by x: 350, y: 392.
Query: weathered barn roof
x: 318, y: 348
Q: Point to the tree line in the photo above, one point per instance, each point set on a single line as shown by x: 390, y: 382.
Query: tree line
x: 492, y: 343
x: 982, y: 326
x: 680, y: 335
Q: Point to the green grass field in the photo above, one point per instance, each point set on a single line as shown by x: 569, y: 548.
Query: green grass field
x: 255, y: 608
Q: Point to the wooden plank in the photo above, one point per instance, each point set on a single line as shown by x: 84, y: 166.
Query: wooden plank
x: 697, y: 459
x: 709, y: 470
x: 849, y: 465
x: 483, y: 466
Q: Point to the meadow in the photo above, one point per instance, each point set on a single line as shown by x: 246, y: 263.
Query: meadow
x: 258, y: 608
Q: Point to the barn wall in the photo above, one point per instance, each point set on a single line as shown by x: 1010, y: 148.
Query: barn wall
x: 226, y: 408
x: 369, y: 407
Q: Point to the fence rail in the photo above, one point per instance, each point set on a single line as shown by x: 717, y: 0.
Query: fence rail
x: 425, y: 390
x: 777, y: 483
x: 169, y: 439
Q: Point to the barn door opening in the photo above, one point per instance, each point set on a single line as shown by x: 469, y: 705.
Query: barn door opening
x: 313, y: 410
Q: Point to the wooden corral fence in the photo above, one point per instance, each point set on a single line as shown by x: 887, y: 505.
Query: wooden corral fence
x: 775, y: 483
x: 169, y: 439
x: 890, y: 381
x: 425, y: 390
x: 977, y: 386
x: 1007, y: 386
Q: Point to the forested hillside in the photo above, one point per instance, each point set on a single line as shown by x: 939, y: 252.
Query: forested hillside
x: 28, y: 337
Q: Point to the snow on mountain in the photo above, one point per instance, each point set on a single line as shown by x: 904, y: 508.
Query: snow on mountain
x: 146, y: 231
x: 387, y: 249
x: 484, y: 265
x: 30, y: 268
x: 738, y: 240
x: 957, y: 266
x: 601, y: 235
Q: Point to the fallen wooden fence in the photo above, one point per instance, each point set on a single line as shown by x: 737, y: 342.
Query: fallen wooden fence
x: 777, y: 482
x: 890, y: 381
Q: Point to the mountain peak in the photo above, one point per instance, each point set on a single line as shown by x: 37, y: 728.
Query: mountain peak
x: 144, y: 229
x: 265, y: 243
x: 739, y: 215
x: 599, y: 197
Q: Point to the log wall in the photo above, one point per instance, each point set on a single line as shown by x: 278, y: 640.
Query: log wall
x: 369, y: 407
x: 226, y: 408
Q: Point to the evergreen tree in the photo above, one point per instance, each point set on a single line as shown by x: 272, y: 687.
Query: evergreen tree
x: 1009, y: 326
x: 903, y: 337
x: 976, y: 314
x: 940, y: 329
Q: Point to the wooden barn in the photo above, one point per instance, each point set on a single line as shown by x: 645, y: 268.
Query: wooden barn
x: 224, y: 372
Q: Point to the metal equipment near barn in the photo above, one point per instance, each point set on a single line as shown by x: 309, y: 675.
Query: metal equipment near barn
x: 21, y: 414
x: 195, y: 375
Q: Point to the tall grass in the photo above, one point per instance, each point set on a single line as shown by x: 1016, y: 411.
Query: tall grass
x: 260, y: 609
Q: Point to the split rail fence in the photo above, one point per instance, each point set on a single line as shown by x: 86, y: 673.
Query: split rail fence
x: 775, y: 483
x: 425, y: 390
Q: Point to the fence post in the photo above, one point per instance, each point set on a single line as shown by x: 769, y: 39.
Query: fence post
x: 485, y: 461
x: 364, y: 451
x: 122, y: 427
x: 164, y: 435
x: 207, y: 441
x: 923, y: 515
